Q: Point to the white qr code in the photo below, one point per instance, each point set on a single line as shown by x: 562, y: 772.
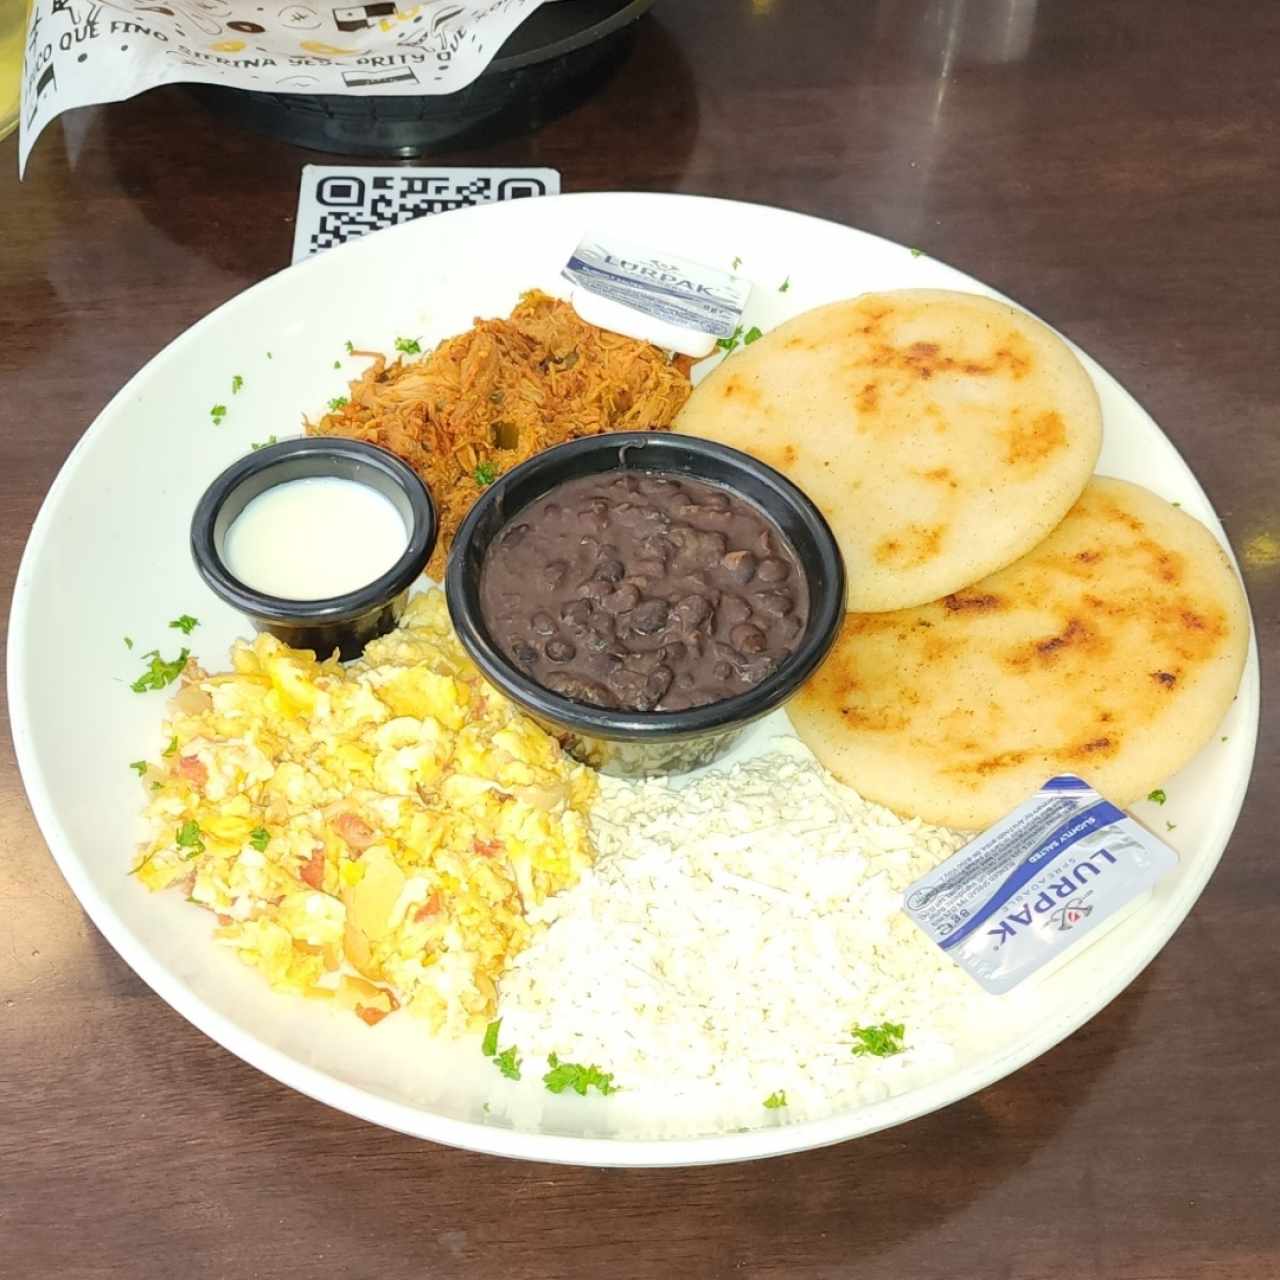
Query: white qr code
x: 337, y: 203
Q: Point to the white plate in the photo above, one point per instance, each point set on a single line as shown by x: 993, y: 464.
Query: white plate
x: 108, y: 558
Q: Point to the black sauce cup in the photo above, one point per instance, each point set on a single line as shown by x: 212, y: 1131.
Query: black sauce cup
x: 346, y: 622
x: 645, y: 743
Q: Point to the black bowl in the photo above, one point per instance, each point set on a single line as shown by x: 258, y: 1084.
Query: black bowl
x: 553, y: 59
x: 346, y: 622
x: 641, y: 743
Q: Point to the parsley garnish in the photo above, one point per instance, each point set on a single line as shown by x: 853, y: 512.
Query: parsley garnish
x: 128, y: 642
x: 785, y: 285
x: 172, y: 748
x: 409, y: 346
x: 259, y: 837
x: 217, y: 413
x: 486, y: 473
x: 262, y: 444
x: 185, y: 623
x: 778, y: 1098
x: 752, y: 335
x: 1157, y: 796
x: 1171, y: 826
x: 336, y: 403
x: 728, y: 344
x: 573, y: 1075
x: 507, y: 1061
x: 236, y: 383
x: 489, y: 1045
x: 139, y: 767
x: 350, y: 348
x: 337, y: 364
x: 268, y: 355
x: 880, y: 1042
x: 160, y: 673
x: 737, y: 262
x: 188, y: 837
x: 915, y: 253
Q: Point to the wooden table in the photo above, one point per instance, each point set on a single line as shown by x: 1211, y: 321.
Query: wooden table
x: 1113, y: 166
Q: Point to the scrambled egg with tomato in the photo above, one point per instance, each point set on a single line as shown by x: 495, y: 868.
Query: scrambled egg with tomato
x: 372, y: 834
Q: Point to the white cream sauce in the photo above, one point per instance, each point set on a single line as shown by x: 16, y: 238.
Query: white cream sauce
x: 314, y: 538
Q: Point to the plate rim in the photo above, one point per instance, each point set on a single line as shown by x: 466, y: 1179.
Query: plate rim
x: 496, y: 1139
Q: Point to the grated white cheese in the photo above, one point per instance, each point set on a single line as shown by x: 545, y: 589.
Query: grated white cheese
x: 729, y: 936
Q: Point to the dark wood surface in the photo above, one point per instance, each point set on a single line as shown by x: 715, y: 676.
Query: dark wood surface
x: 1112, y: 165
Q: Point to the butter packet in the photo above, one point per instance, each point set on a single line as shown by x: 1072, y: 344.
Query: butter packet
x: 676, y: 304
x: 1032, y: 886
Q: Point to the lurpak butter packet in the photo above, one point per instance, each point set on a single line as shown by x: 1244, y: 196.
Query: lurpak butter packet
x: 678, y: 305
x: 1037, y: 882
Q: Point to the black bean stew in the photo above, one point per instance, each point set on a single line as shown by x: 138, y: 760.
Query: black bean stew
x: 644, y: 591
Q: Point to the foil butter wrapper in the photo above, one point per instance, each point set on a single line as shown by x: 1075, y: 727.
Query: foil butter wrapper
x: 1033, y: 886
x: 676, y: 304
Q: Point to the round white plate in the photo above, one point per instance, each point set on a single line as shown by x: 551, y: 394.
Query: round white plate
x: 108, y: 558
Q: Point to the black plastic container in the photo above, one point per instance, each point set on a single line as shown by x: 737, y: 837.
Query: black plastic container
x: 346, y: 622
x: 643, y: 743
x: 559, y: 55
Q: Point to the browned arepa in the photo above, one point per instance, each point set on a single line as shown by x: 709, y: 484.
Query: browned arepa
x: 1112, y: 650
x: 942, y: 434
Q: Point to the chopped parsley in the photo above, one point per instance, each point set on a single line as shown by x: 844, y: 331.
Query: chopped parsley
x: 573, y: 1075
x: 262, y: 444
x: 752, y: 335
x: 337, y: 364
x: 128, y: 642
x: 489, y: 1045
x: 217, y: 413
x: 185, y: 623
x: 237, y: 382
x: 1175, y: 504
x: 881, y: 1041
x: 188, y: 837
x: 508, y: 1061
x: 139, y: 767
x: 778, y: 1098
x: 336, y: 403
x: 728, y: 344
x: 350, y: 348
x: 1157, y: 796
x: 160, y: 673
x: 486, y: 473
x: 268, y: 355
x: 785, y: 285
x: 1170, y: 826
x: 737, y: 262
x: 259, y: 837
x: 409, y: 346
x: 915, y: 253
x: 172, y: 748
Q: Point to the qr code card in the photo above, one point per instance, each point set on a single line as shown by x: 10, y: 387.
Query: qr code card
x: 337, y: 203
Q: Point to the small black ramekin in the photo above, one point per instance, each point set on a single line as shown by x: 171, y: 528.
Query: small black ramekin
x: 643, y: 743
x: 346, y: 622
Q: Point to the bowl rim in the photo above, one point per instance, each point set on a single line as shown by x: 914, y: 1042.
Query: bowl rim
x: 281, y: 610
x: 826, y: 608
